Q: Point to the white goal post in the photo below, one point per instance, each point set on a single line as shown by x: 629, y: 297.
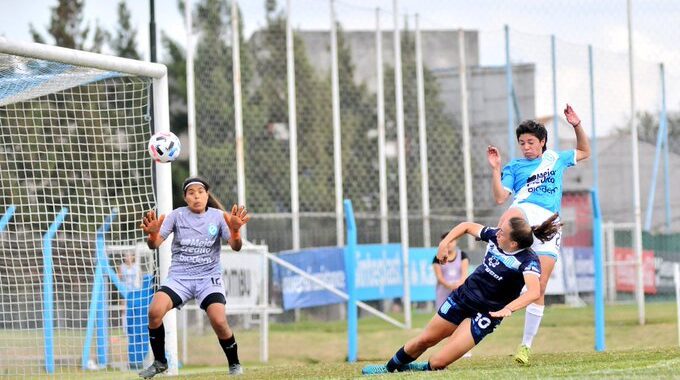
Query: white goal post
x: 75, y: 179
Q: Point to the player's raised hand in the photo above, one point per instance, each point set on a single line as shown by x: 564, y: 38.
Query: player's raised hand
x: 494, y: 157
x: 150, y: 225
x: 237, y: 218
x: 571, y: 116
x: 442, y: 254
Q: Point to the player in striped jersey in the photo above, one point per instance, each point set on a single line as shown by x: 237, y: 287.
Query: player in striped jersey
x: 489, y: 294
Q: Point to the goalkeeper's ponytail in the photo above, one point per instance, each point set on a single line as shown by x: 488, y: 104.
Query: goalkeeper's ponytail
x: 214, y: 202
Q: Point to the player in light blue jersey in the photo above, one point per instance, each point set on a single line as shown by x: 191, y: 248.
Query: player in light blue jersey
x: 535, y: 184
x: 195, y: 270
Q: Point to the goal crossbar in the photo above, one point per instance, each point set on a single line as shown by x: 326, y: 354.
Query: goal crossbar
x: 82, y: 58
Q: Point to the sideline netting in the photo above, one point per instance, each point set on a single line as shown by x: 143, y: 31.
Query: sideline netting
x: 72, y: 159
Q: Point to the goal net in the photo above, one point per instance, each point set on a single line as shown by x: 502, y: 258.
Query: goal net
x: 75, y: 179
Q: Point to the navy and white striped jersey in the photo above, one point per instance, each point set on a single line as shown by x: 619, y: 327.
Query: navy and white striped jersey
x: 500, y: 277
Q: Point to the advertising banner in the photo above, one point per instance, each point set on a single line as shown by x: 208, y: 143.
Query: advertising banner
x: 326, y: 263
x: 378, y: 274
x: 626, y: 275
x: 242, y: 278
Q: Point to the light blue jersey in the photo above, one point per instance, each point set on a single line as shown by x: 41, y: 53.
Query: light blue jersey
x: 538, y: 181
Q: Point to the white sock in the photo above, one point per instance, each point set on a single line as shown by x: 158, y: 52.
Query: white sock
x: 532, y: 320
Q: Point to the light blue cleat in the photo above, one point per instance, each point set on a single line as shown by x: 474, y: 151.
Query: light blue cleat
x: 374, y: 369
x: 416, y: 366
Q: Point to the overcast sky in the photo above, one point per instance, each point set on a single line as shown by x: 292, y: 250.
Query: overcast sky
x: 575, y: 23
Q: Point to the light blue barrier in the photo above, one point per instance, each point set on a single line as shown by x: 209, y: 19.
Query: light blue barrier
x: 48, y: 290
x: 599, y: 272
x: 98, y: 312
x: 350, y: 262
x: 7, y: 216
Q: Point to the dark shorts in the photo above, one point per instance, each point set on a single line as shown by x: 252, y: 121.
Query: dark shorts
x: 455, y: 311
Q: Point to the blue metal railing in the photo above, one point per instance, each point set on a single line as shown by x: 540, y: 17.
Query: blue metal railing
x: 48, y: 290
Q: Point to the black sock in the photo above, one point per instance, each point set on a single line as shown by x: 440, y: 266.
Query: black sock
x: 230, y: 349
x: 401, y: 358
x: 157, y: 339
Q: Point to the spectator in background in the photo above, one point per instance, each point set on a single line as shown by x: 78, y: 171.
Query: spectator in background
x: 451, y: 274
x: 129, y: 272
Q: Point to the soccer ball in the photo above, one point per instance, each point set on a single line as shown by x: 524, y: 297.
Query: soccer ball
x: 164, y: 147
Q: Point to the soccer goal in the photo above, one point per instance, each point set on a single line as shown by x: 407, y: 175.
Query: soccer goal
x: 75, y: 179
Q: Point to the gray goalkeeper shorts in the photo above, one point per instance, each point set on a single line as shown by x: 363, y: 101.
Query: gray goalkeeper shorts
x: 206, y: 291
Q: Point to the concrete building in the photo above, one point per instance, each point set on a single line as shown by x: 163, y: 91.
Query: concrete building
x: 616, y: 181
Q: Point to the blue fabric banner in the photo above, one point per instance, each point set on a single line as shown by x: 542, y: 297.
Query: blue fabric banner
x: 327, y: 264
x: 378, y: 274
x: 423, y: 280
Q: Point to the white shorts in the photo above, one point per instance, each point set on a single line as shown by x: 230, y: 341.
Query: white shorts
x: 536, y: 215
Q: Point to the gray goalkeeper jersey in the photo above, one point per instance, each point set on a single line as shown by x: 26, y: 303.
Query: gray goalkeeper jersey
x: 197, y: 242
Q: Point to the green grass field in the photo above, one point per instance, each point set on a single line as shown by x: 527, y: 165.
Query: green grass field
x: 563, y: 349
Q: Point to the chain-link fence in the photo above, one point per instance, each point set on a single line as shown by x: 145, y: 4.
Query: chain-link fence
x: 547, y: 71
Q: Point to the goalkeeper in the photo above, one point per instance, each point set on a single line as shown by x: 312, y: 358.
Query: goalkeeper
x: 195, y: 268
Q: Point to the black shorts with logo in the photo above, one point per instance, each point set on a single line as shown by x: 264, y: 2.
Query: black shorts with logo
x: 455, y: 311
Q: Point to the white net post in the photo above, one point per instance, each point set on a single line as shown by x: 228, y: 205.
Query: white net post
x: 164, y: 206
x: 74, y: 128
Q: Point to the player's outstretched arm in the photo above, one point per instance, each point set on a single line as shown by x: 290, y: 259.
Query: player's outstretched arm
x: 236, y: 219
x: 582, y: 144
x: 152, y: 227
x: 500, y: 194
x: 532, y: 294
x: 461, y: 229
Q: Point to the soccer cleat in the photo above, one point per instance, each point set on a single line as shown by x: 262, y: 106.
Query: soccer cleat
x: 235, y: 369
x: 523, y: 354
x: 374, y: 369
x: 416, y: 366
x: 154, y: 369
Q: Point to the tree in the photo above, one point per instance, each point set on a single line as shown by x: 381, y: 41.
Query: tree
x: 177, y: 83
x: 177, y: 94
x: 443, y: 139
x: 214, y: 97
x: 125, y: 42
x: 67, y: 29
x: 271, y: 173
x: 648, y: 128
x: 358, y: 117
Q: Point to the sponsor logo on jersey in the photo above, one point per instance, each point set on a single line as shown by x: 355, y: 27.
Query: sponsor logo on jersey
x: 212, y: 229
x: 493, y: 262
